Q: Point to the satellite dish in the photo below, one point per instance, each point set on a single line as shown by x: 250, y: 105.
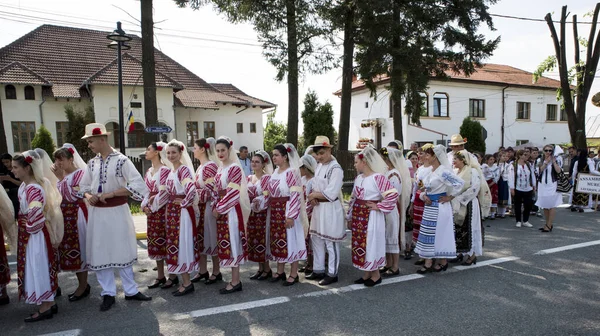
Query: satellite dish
x: 596, y: 99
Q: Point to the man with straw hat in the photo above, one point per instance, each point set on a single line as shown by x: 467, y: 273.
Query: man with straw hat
x: 327, y: 223
x: 109, y: 180
x: 457, y: 143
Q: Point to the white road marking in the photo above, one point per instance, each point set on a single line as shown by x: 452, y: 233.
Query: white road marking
x: 12, y: 263
x: 486, y: 263
x: 568, y: 247
x: 72, y: 332
x: 232, y: 308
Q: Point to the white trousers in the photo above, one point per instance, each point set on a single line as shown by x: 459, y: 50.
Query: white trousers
x: 321, y: 246
x: 106, y: 278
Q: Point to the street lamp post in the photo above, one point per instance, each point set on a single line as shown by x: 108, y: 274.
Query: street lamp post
x: 118, y: 39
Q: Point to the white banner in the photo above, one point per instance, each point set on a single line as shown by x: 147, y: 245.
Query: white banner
x: 588, y: 184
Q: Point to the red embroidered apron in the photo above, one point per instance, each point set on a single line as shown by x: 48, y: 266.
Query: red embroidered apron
x: 157, y: 233
x: 418, y: 208
x: 257, y: 236
x: 277, y: 230
x: 69, y: 249
x: 224, y: 239
x: 360, y: 224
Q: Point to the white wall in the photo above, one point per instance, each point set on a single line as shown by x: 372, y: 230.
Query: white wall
x: 226, y: 120
x: 536, y: 130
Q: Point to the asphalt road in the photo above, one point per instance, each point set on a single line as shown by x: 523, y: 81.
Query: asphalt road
x: 519, y: 287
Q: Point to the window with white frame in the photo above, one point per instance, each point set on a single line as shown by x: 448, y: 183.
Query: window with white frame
x: 523, y: 110
x: 551, y: 112
x: 477, y: 108
x: 440, y: 104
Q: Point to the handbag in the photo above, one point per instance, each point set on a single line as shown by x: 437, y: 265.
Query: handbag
x: 563, y: 184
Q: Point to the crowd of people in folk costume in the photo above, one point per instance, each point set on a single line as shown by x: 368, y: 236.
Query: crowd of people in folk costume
x: 75, y: 217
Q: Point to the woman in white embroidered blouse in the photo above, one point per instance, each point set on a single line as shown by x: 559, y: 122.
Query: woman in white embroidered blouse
x: 521, y: 182
x: 548, y: 197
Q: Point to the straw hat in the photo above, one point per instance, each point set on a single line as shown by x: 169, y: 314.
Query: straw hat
x: 457, y: 140
x: 95, y: 129
x: 322, y: 141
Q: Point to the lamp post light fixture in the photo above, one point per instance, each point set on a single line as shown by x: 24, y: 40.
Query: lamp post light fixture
x: 118, y: 39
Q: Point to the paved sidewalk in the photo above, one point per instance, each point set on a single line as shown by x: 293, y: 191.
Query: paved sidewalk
x: 140, y: 226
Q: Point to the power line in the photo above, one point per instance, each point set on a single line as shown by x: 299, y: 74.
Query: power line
x: 532, y: 19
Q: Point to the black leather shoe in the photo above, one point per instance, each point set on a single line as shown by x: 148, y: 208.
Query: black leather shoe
x: 41, y: 316
x: 158, y: 282
x: 293, y: 282
x: 256, y: 275
x: 371, y: 283
x: 138, y: 297
x: 85, y: 293
x: 204, y: 276
x: 58, y: 292
x: 278, y: 277
x: 269, y: 275
x: 107, y: 302
x: 218, y: 278
x: 315, y: 276
x: 360, y: 281
x: 328, y: 280
x: 4, y: 301
x: 236, y: 288
x: 170, y: 283
x: 54, y: 309
x: 390, y: 273
x: 186, y: 290
x: 420, y: 262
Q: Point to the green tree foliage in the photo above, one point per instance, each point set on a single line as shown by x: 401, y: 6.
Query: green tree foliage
x: 295, y: 39
x: 317, y: 119
x: 275, y: 133
x: 473, y: 132
x: 412, y: 41
x: 43, y: 140
x: 76, y: 129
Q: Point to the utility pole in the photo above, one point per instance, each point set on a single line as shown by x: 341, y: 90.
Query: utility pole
x: 148, y: 70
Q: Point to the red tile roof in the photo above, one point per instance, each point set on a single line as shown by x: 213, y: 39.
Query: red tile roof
x: 70, y: 58
x: 17, y: 73
x: 492, y: 74
x: 230, y: 89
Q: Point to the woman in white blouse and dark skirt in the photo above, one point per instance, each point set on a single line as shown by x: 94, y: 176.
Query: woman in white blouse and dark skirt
x: 521, y: 181
x: 548, y: 198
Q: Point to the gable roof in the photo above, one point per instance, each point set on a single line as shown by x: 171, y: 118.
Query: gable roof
x: 68, y: 59
x: 490, y: 74
x: 231, y: 90
x: 17, y: 73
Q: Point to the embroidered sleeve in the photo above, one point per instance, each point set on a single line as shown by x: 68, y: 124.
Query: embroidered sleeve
x: 353, y: 197
x: 452, y: 181
x: 592, y: 167
x: 396, y: 182
x: 35, y: 211
x: 208, y: 177
x: 496, y: 174
x: 69, y: 186
x: 232, y: 197
x: 261, y: 200
x: 309, y: 205
x: 85, y: 185
x: 184, y: 175
x: 134, y: 182
x: 293, y: 206
x: 334, y: 184
x: 468, y: 195
x: 149, y: 180
x: 388, y: 192
x: 252, y: 188
x: 162, y: 198
x: 511, y: 176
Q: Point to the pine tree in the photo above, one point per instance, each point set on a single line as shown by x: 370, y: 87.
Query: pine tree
x: 317, y: 119
x: 43, y: 140
x: 473, y: 132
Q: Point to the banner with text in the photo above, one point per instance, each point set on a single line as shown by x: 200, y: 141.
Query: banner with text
x: 588, y: 184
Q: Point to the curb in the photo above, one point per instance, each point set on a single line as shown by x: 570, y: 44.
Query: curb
x: 138, y: 236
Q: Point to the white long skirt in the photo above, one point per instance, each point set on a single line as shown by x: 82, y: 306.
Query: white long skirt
x: 186, y: 262
x: 476, y: 234
x: 210, y: 232
x: 37, y: 273
x: 392, y: 228
x: 296, y: 243
x: 547, y: 197
x: 110, y: 240
x: 238, y: 256
x: 375, y: 253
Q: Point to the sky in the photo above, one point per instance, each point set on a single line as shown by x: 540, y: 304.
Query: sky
x: 221, y: 52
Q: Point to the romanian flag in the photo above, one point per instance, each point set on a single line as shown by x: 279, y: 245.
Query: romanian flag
x: 130, y: 122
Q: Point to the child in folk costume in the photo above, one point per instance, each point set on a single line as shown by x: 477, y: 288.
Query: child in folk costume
x: 110, y: 179
x: 417, y: 204
x: 256, y: 231
x: 471, y: 204
x: 183, y: 253
x: 413, y: 157
x: 288, y: 221
x: 373, y: 196
x: 232, y: 209
x: 155, y: 207
x: 69, y: 168
x: 204, y: 151
x: 395, y: 221
x: 503, y: 190
x: 491, y: 174
x: 327, y: 222
x: 8, y: 228
x: 308, y: 165
x: 436, y: 234
x: 40, y: 231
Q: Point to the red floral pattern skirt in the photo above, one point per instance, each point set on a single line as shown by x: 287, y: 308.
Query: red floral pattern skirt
x: 277, y: 229
x: 70, y: 254
x: 257, y: 236
x: 360, y: 224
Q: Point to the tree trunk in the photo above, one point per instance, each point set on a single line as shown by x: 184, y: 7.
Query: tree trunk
x: 148, y: 70
x: 3, y: 142
x: 347, y: 76
x: 292, y: 39
x: 396, y: 79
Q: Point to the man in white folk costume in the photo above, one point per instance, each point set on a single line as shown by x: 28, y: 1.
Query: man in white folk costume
x: 111, y: 178
x: 327, y: 229
x: 457, y: 143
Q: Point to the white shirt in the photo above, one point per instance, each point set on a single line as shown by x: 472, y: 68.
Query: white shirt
x: 525, y: 179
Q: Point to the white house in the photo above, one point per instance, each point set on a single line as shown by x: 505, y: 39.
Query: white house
x: 510, y: 107
x: 53, y: 66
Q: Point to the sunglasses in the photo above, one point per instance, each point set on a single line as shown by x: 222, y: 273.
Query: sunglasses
x: 548, y: 150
